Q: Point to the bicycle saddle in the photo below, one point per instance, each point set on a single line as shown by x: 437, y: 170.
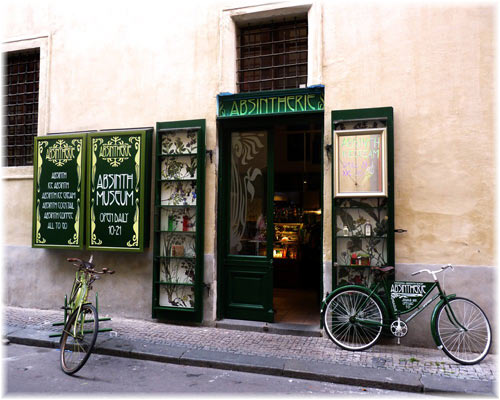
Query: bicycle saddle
x: 383, y: 269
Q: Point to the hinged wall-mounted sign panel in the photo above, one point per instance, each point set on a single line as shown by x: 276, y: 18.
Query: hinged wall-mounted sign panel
x: 58, y: 187
x: 118, y: 190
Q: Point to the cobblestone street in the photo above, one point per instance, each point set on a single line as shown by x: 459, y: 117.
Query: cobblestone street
x: 388, y: 357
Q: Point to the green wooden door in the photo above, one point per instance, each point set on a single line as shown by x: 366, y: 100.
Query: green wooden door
x: 246, y: 224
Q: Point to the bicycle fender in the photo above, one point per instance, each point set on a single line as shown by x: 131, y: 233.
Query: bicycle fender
x: 433, y: 319
x: 348, y: 287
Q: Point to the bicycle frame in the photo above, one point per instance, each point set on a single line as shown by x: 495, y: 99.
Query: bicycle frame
x: 80, y: 290
x: 79, y: 295
x: 395, y: 309
x: 392, y: 311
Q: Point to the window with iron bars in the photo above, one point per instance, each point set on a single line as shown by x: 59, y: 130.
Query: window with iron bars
x: 20, y: 92
x: 272, y: 56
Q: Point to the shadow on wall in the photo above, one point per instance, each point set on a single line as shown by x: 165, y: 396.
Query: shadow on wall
x: 477, y: 283
x: 39, y: 278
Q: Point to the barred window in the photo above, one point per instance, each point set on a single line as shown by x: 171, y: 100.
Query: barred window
x: 272, y: 56
x: 20, y: 92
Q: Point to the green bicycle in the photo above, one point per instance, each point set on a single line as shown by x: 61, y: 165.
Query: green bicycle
x: 354, y: 316
x: 80, y: 331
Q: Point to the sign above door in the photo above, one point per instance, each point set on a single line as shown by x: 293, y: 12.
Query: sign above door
x: 271, y: 102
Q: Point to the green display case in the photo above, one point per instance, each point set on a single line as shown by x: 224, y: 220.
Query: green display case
x: 179, y: 221
x: 363, y: 194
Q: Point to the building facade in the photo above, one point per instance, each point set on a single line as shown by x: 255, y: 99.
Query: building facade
x: 255, y: 110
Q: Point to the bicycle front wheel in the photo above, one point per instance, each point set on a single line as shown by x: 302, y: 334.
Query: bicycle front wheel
x: 78, y: 338
x: 463, y: 330
x: 353, y: 320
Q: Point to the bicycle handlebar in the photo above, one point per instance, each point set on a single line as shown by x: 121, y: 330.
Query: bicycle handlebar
x: 433, y: 273
x: 89, y: 266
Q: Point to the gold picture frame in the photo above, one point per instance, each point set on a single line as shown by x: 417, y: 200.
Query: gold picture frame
x: 360, y: 167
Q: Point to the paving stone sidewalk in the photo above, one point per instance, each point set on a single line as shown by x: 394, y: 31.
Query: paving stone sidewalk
x: 386, y: 358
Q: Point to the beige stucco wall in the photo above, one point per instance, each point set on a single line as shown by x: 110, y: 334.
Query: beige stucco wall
x: 122, y: 67
x: 110, y: 67
x: 435, y: 65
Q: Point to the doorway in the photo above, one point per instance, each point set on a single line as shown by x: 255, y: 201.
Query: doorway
x: 270, y: 219
x: 297, y: 222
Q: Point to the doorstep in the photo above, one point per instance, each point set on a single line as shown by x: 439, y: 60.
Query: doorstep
x: 278, y: 328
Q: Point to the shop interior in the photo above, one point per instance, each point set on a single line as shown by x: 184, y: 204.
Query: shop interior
x: 297, y: 251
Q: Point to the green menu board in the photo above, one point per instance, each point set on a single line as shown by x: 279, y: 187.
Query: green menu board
x: 59, y: 173
x: 118, y: 190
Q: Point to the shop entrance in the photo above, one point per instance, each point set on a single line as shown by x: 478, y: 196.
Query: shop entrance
x: 297, y: 222
x: 270, y: 219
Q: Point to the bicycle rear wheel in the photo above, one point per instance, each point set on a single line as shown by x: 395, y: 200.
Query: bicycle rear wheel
x: 353, y: 320
x: 78, y: 338
x: 463, y: 330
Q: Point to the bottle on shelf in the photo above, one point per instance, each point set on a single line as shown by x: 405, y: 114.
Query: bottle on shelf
x: 368, y: 229
x: 354, y: 259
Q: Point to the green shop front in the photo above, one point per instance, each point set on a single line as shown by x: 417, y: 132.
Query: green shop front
x: 292, y: 194
x: 271, y: 235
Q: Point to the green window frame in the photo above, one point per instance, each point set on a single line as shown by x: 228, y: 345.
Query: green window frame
x: 179, y: 221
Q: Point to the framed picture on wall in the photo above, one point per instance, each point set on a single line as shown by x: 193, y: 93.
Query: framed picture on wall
x: 360, y: 168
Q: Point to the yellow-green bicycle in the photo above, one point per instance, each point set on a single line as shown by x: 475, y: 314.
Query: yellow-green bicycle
x: 81, y: 328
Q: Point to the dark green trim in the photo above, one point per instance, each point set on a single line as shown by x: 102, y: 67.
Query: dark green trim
x: 322, y: 206
x: 172, y: 313
x: 225, y: 261
x: 144, y: 190
x: 272, y: 102
x: 386, y: 113
x: 81, y: 224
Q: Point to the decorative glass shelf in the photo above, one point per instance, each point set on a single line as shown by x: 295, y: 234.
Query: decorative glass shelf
x: 176, y: 205
x: 176, y: 154
x: 177, y: 180
x: 360, y: 266
x: 175, y: 283
x: 361, y: 237
x: 188, y: 309
x: 357, y: 207
x: 177, y: 232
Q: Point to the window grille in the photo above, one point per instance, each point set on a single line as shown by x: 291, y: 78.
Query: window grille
x: 272, y: 56
x: 20, y: 92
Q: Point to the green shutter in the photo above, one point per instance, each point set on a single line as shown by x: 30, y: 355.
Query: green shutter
x: 179, y: 220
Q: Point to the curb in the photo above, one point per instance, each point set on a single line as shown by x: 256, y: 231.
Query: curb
x: 292, y: 368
